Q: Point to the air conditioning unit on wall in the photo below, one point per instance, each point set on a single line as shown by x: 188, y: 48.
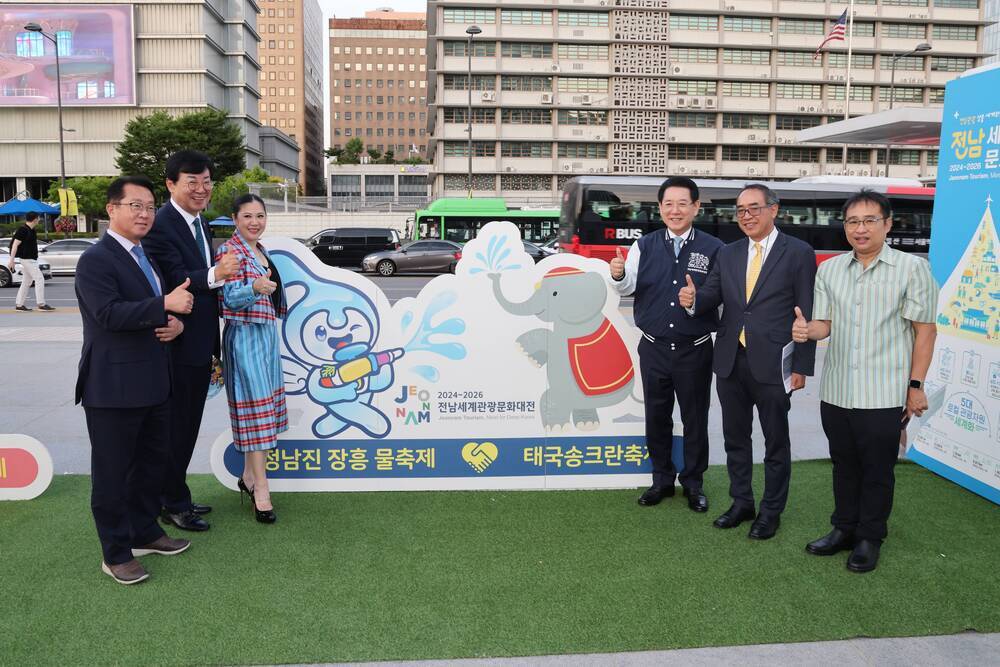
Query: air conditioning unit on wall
x: 546, y: 98
x: 489, y: 96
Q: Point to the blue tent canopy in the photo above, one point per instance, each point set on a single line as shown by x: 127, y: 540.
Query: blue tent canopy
x: 222, y: 221
x: 21, y: 206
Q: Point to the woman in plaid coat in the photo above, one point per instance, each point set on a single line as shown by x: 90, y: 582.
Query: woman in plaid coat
x: 251, y: 302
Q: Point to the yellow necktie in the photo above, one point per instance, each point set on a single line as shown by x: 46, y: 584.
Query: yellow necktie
x: 752, y: 276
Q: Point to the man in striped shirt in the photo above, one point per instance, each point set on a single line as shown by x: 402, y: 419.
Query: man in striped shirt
x: 877, y: 305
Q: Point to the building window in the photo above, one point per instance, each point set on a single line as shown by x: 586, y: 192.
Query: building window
x: 526, y: 149
x: 799, y: 27
x: 525, y: 50
x: 525, y: 17
x: 799, y: 91
x: 345, y: 186
x: 905, y: 156
x: 580, y: 150
x: 582, y: 117
x: 745, y: 89
x: 902, y: 94
x: 690, y: 119
x: 746, y: 24
x: 796, y: 154
x: 745, y: 121
x: 526, y: 83
x: 962, y: 33
x: 744, y: 153
x: 526, y: 116
x: 64, y: 42
x: 680, y: 55
x: 687, y: 22
x: 691, y: 152
x: 946, y: 64
x: 958, y: 4
x: 859, y: 93
x: 797, y: 122
x: 461, y: 149
x: 798, y: 59
x: 521, y: 182
x: 460, y: 82
x: 30, y: 45
x: 906, y: 3
x: 583, y: 52
x: 864, y: 29
x: 468, y: 16
x: 904, y: 30
x: 109, y: 88
x: 461, y: 115
x: 582, y: 85
x: 86, y: 90
x: 685, y: 87
x: 858, y: 60
x: 909, y: 63
x: 583, y: 19
x: 479, y: 49
x: 746, y: 57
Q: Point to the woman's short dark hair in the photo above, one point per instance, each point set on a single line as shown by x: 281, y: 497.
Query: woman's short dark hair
x: 868, y: 196
x: 242, y: 200
x: 116, y: 191
x: 678, y: 182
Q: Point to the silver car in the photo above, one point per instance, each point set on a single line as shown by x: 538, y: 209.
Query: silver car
x: 433, y: 256
x: 62, y: 255
x: 7, y: 279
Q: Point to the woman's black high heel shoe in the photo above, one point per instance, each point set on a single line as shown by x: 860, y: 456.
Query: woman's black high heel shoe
x: 263, y: 516
x: 243, y: 489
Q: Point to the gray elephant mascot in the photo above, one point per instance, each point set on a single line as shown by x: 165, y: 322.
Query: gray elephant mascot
x: 588, y: 365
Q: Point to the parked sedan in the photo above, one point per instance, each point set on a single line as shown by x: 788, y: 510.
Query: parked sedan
x: 534, y: 251
x: 7, y: 279
x: 7, y: 240
x: 63, y: 254
x: 433, y: 256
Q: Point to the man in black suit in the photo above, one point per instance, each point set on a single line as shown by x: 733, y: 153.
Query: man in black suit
x: 124, y: 381
x: 180, y: 242
x: 759, y: 281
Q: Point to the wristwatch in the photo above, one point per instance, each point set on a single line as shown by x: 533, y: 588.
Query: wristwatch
x: 916, y: 384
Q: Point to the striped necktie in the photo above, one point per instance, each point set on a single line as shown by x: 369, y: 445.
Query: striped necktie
x: 752, y: 276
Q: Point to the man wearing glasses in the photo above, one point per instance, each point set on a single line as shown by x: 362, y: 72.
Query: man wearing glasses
x: 877, y: 305
x: 124, y: 380
x: 760, y: 281
x: 180, y: 241
x: 675, y: 352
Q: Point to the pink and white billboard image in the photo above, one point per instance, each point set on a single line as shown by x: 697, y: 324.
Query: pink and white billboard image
x: 95, y: 46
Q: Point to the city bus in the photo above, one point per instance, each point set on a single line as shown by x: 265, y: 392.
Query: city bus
x: 600, y: 213
x: 459, y: 219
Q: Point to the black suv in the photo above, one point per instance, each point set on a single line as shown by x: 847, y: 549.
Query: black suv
x: 347, y: 246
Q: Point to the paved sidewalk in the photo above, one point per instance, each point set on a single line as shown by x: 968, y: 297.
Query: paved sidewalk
x: 969, y: 648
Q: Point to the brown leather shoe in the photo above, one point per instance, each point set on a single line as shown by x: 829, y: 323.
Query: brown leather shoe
x: 164, y: 545
x: 128, y: 573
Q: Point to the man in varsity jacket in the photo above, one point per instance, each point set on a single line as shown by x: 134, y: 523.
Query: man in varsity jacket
x: 675, y: 352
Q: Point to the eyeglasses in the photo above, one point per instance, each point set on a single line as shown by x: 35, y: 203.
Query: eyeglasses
x: 191, y: 186
x: 867, y: 221
x: 679, y: 205
x: 753, y: 210
x: 137, y: 207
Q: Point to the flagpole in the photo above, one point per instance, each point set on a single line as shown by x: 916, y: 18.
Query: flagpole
x: 847, y: 87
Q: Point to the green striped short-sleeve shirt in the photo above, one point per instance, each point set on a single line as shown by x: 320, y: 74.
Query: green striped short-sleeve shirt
x: 871, y: 312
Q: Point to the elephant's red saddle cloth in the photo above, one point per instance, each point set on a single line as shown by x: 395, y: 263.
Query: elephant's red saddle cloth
x: 600, y: 361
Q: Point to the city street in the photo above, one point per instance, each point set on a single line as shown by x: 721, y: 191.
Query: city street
x: 41, y: 352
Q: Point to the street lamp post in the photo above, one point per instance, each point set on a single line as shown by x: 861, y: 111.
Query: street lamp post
x: 34, y: 27
x: 919, y: 48
x: 471, y: 31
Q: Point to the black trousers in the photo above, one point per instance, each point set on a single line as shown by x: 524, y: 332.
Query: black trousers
x: 739, y: 394
x: 187, y: 403
x: 687, y: 372
x: 129, y: 452
x: 864, y: 445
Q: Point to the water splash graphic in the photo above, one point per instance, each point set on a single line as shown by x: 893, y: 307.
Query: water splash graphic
x: 453, y: 326
x: 429, y: 373
x: 406, y: 320
x: 496, y: 253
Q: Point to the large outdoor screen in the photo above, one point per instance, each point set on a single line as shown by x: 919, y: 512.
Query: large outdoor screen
x: 95, y: 49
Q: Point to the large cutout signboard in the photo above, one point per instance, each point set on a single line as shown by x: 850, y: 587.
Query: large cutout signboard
x: 959, y: 436
x: 507, y: 374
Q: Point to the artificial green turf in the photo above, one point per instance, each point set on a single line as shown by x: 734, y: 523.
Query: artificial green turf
x: 392, y: 576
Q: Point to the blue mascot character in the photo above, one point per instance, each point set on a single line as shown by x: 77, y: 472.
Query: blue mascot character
x: 330, y: 333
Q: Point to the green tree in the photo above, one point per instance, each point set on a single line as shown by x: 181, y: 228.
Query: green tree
x: 91, y: 194
x: 389, y: 157
x: 374, y: 155
x: 414, y: 159
x: 232, y: 187
x: 352, y: 151
x: 150, y: 140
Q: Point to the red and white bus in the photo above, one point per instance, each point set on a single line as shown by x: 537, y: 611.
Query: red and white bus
x: 600, y: 213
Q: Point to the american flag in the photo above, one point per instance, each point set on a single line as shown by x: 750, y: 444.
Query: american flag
x: 836, y: 33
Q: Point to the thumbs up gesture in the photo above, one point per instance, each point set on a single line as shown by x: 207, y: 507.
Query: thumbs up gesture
x: 687, y: 293
x: 618, y: 264
x: 179, y: 301
x: 800, y: 327
x: 227, y: 266
x: 264, y: 284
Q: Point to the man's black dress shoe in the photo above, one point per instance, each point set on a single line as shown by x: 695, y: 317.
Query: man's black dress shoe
x: 654, y: 494
x: 864, y: 558
x: 734, y: 516
x: 198, y: 508
x: 834, y: 541
x: 764, y: 528
x: 186, y: 521
x: 697, y: 500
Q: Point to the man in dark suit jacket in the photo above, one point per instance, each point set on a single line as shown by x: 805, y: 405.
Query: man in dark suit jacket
x: 180, y: 242
x: 124, y: 381
x: 759, y: 281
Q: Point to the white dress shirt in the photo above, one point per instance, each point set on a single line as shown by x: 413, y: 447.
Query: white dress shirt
x: 626, y: 285
x: 205, y: 247
x: 128, y: 245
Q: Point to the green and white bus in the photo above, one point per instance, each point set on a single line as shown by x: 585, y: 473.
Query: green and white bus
x: 460, y: 219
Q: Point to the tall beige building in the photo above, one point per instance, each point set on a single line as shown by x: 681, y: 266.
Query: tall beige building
x: 676, y: 86
x: 186, y: 56
x: 291, y: 58
x: 378, y: 82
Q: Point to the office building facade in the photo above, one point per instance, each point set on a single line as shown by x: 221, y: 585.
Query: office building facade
x: 632, y: 87
x: 291, y: 87
x: 378, y: 83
